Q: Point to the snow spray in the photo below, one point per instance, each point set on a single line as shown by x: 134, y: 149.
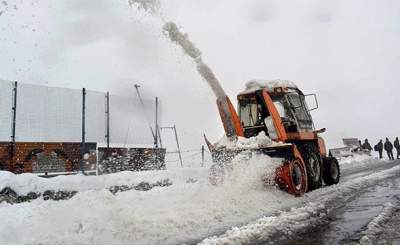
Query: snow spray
x: 151, y: 6
x: 227, y: 112
x: 172, y: 31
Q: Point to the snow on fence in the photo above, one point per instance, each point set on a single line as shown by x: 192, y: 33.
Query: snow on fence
x: 55, y: 124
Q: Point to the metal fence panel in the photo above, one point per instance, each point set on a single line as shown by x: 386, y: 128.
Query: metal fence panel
x: 48, y: 114
x: 5, y: 109
x: 95, y: 117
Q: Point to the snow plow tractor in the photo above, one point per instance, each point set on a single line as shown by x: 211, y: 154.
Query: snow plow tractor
x: 276, y: 109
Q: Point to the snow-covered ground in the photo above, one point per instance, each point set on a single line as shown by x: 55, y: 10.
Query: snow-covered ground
x: 187, y: 211
x: 376, y: 226
x: 357, y: 160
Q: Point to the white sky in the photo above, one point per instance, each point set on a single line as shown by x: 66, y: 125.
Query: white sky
x: 346, y: 51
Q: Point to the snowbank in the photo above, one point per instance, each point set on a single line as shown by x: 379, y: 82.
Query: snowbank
x: 358, y: 160
x: 24, y: 183
x: 185, y: 211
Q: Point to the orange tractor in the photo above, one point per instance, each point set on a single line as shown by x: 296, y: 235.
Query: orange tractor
x: 279, y: 109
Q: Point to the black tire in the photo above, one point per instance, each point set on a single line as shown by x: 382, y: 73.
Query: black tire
x: 313, y: 163
x: 331, y: 171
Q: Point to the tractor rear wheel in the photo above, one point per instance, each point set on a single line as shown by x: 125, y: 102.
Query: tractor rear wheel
x: 313, y: 164
x: 331, y: 171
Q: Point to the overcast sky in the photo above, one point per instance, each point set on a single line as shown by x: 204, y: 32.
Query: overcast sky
x: 346, y: 51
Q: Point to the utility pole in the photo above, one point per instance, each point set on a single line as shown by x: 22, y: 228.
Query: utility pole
x: 177, y: 142
x: 137, y: 86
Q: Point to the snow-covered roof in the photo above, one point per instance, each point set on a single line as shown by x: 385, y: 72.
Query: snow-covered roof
x: 270, y: 85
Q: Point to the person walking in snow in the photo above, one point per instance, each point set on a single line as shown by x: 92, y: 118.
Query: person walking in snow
x: 379, y: 148
x: 389, y: 149
x: 360, y: 145
x: 397, y: 146
x: 367, y: 146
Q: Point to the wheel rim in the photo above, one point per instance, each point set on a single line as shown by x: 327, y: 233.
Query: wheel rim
x: 296, y: 177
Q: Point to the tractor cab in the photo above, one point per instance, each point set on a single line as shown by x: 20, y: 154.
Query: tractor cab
x: 258, y: 108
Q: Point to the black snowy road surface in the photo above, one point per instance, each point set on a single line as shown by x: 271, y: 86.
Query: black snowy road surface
x: 347, y: 223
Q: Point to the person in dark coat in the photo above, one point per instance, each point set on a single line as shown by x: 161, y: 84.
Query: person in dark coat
x: 397, y: 146
x: 389, y: 149
x: 367, y: 146
x: 379, y: 148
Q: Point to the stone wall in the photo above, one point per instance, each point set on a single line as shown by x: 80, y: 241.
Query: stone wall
x: 112, y: 160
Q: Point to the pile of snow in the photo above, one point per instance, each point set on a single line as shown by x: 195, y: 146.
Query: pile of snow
x: 256, y: 142
x: 358, y: 160
x: 23, y: 184
x: 376, y: 226
x: 255, y: 85
x: 185, y: 211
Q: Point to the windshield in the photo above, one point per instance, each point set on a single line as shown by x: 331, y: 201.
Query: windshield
x: 300, y: 110
x: 250, y: 113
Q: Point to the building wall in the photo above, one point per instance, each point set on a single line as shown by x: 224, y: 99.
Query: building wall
x: 42, y: 157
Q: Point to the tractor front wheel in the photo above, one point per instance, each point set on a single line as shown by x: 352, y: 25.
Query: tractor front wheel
x: 331, y: 171
x: 292, y: 177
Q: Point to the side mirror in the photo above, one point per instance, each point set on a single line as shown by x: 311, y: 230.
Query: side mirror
x: 311, y: 101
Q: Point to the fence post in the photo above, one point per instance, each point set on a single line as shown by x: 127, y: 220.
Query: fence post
x: 83, y: 143
x: 13, y: 127
x: 108, y: 119
x: 156, y: 122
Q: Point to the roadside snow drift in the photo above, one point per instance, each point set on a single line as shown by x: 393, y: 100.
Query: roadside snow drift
x: 189, y: 209
x: 186, y: 211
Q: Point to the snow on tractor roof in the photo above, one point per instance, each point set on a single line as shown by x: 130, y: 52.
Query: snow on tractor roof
x: 270, y: 85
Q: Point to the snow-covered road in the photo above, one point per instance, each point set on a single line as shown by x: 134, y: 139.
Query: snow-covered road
x: 188, y: 211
